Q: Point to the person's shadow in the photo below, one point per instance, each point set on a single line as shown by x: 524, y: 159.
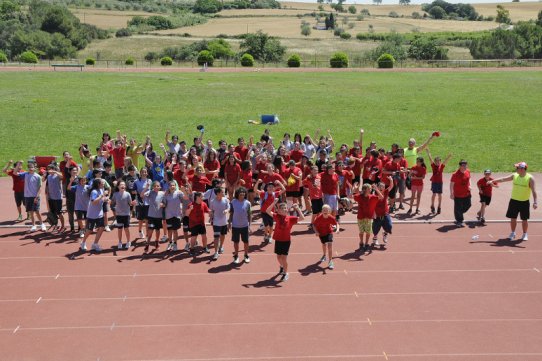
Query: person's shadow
x: 502, y: 242
x: 312, y: 268
x: 273, y: 282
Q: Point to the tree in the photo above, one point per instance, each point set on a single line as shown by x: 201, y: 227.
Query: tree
x: 9, y: 10
x: 437, y: 12
x: 423, y: 48
x: 220, y: 49
x: 207, y: 6
x: 539, y: 20
x: 404, y: 2
x: 377, y: 2
x: 503, y: 15
x: 330, y: 21
x: 263, y: 47
x: 352, y: 9
x: 305, y: 29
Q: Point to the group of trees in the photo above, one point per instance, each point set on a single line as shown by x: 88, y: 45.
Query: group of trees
x: 49, y: 31
x: 440, y: 9
x: 523, y: 41
x: 419, y: 48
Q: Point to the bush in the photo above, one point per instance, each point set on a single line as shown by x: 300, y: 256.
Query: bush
x: 352, y: 9
x: 247, y: 60
x: 339, y: 60
x: 205, y: 56
x: 122, y: 33
x: 416, y: 15
x: 345, y: 36
x: 385, y: 61
x: 437, y: 12
x: 393, y: 14
x: 294, y: 61
x: 305, y: 30
x: 3, y: 57
x: 28, y: 57
x: 338, y: 31
x: 129, y: 61
x: 90, y: 61
x: 166, y: 60
x: 207, y: 6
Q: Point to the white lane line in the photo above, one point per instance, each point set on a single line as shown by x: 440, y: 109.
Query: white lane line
x: 38, y: 301
x: 490, y: 236
x: 112, y: 326
x: 17, y: 328
x: 385, y: 356
x: 537, y: 270
x: 369, y: 321
x: 230, y: 274
x: 346, y: 273
x: 356, y: 294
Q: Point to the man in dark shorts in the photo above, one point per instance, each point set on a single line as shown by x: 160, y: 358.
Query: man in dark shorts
x: 460, y: 192
x: 523, y: 185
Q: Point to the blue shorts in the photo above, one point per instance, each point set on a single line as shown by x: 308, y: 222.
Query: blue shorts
x: 436, y: 188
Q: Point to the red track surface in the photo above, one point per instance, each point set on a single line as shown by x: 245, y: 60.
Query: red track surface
x: 434, y: 294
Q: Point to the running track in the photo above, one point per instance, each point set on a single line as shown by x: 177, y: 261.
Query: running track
x: 434, y: 294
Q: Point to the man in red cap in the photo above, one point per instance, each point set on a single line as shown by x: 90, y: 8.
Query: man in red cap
x: 522, y: 186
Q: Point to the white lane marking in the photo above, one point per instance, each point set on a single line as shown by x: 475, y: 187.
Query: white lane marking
x: 16, y: 328
x: 38, y: 301
x: 58, y: 275
x: 537, y: 270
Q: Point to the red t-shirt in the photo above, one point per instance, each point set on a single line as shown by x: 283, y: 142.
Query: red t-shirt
x: 242, y: 151
x: 283, y: 227
x: 18, y: 182
x: 389, y: 167
x: 271, y: 178
x: 382, y: 206
x: 356, y: 168
x: 461, y: 184
x: 199, y: 183
x: 246, y: 176
x: 118, y: 157
x: 197, y: 216
x: 232, y: 172
x: 297, y: 172
x: 323, y: 225
x: 211, y: 165
x: 267, y: 199
x: 178, y: 176
x: 366, y: 205
x: 346, y: 182
x: 296, y: 155
x: 315, y: 187
x: 418, y: 171
x: 329, y: 182
x: 486, y: 189
x: 437, y: 172
x: 261, y: 167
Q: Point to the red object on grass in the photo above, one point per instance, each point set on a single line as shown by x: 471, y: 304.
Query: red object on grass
x: 436, y: 134
x: 44, y: 161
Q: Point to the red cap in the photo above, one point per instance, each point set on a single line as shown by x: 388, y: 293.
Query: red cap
x: 436, y: 134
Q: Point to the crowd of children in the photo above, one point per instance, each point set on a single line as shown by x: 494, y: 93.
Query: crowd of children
x: 280, y: 180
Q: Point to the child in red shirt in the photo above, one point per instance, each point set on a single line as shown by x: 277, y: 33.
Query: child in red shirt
x: 282, y: 234
x: 267, y: 199
x: 313, y: 184
x: 18, y: 184
x: 417, y: 175
x: 196, y: 221
x: 382, y: 213
x: 485, y: 188
x: 437, y: 166
x: 366, y: 210
x: 323, y: 227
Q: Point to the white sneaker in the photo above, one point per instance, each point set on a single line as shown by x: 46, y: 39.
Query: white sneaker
x: 114, y: 224
x: 247, y: 258
x: 215, y: 256
x: 33, y: 228
x: 323, y: 259
x: 331, y: 265
x: 163, y: 239
x: 377, y: 243
x: 43, y: 228
x: 141, y: 235
x: 512, y: 236
x: 236, y: 259
x: 128, y: 245
x: 107, y: 229
x: 174, y: 248
x: 83, y: 246
x: 81, y: 234
x: 96, y: 247
x: 221, y: 250
x: 385, y: 238
x: 525, y: 237
x: 120, y: 245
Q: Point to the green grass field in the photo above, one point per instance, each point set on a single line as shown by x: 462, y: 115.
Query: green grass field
x: 492, y: 119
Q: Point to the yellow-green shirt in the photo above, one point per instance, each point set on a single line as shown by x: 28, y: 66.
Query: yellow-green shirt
x: 521, y: 190
x: 410, y: 156
x: 132, y: 152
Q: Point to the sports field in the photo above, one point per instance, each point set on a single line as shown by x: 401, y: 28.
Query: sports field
x: 491, y: 118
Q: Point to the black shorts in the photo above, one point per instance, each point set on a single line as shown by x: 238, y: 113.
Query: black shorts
x: 392, y: 192
x: 81, y: 215
x: 316, y: 205
x: 436, y: 188
x: 95, y: 223
x: 294, y: 194
x: 186, y: 224
x: 282, y: 247
x: 55, y: 206
x: 199, y: 229
x: 173, y: 223
x: 485, y: 199
x: 123, y: 221
x: 141, y: 212
x: 518, y: 207
x: 356, y: 179
x: 31, y: 204
x: 105, y: 207
x: 328, y: 238
x: 19, y: 198
x: 239, y: 234
x: 154, y: 223
x: 267, y: 220
x: 220, y: 230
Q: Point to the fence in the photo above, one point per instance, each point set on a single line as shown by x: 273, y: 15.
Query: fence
x: 356, y: 63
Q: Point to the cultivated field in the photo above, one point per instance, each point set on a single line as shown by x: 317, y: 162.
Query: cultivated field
x: 107, y: 19
x: 489, y: 118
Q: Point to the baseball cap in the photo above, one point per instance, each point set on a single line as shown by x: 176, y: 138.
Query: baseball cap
x: 462, y: 162
x: 521, y: 165
x: 487, y: 171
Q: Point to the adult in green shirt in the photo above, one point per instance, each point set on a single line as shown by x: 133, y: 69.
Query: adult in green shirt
x: 523, y: 186
x: 411, y: 153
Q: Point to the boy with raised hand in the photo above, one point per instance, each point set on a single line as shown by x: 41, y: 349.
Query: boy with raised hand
x: 486, y: 191
x: 437, y: 166
x: 323, y: 227
x: 18, y: 185
x: 219, y: 207
x: 32, y: 188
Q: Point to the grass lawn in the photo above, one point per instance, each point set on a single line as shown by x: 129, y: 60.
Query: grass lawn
x: 492, y: 119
